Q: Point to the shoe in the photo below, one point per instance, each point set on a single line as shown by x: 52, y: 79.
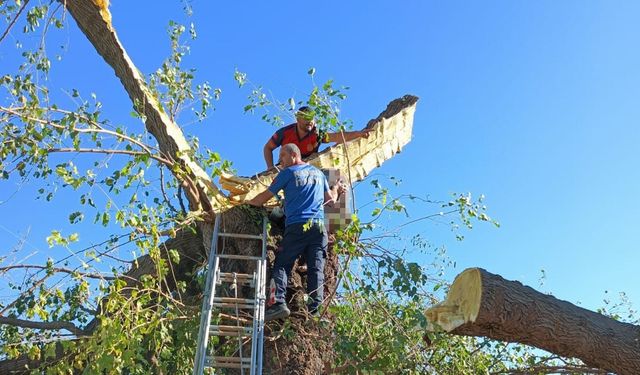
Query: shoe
x: 277, y: 311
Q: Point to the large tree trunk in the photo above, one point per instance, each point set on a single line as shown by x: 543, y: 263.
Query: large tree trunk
x: 480, y: 303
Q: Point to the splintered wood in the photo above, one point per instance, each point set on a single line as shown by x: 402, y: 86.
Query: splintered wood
x: 354, y: 159
x: 460, y: 306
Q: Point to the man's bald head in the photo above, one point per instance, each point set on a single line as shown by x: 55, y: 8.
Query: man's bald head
x: 291, y: 149
x: 290, y: 155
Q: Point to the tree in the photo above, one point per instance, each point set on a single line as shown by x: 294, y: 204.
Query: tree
x: 151, y: 300
x: 94, y: 311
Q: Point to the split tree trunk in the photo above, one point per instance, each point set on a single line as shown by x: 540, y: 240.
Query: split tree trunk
x: 480, y: 303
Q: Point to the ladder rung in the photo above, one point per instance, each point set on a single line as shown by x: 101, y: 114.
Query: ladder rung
x: 231, y: 359
x: 240, y: 235
x: 230, y: 302
x: 239, y: 277
x: 233, y: 305
x: 228, y: 362
x: 240, y: 257
x: 218, y: 330
x: 245, y: 301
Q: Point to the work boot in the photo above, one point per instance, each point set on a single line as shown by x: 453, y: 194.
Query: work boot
x: 277, y: 311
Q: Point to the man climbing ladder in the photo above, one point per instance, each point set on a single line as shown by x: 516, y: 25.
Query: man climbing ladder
x: 306, y: 191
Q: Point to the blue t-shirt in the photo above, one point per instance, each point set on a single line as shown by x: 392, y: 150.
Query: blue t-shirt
x: 304, y: 187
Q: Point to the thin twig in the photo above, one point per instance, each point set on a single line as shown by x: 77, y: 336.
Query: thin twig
x: 164, y: 193
x: 58, y: 269
x: 28, y: 291
x: 14, y: 20
x: 106, y: 151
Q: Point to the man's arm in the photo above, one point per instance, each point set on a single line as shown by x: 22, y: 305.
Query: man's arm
x: 260, y: 199
x: 268, y: 153
x: 348, y: 136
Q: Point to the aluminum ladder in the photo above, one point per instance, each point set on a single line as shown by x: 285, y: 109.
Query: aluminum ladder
x: 217, y: 277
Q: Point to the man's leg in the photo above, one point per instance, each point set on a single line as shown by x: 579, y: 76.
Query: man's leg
x: 316, y: 252
x: 291, y: 249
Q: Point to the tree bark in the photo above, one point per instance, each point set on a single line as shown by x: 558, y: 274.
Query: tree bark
x: 480, y: 303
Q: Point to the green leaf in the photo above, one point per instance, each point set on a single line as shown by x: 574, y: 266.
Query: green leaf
x: 76, y: 217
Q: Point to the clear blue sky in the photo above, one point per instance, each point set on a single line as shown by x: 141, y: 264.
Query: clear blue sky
x: 529, y: 103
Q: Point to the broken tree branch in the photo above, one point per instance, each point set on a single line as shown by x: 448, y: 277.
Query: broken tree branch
x: 480, y: 303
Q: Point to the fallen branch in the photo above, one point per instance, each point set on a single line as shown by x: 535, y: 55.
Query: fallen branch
x: 480, y: 303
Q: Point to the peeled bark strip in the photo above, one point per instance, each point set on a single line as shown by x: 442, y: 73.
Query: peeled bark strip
x: 480, y: 303
x: 94, y: 19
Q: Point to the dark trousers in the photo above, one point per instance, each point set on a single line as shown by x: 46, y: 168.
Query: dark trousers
x: 312, y: 243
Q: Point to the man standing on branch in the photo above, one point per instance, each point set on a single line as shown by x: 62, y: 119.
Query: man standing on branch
x: 304, y: 134
x: 306, y: 190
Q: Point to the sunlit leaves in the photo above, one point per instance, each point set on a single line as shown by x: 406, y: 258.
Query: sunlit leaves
x: 324, y: 102
x: 173, y: 85
x: 469, y: 210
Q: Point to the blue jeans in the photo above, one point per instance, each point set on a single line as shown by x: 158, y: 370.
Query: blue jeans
x: 312, y: 243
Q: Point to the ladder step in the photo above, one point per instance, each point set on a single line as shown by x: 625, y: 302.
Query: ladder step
x: 245, y: 301
x: 232, y: 306
x: 240, y: 235
x: 230, y: 302
x: 228, y: 362
x: 235, y: 331
x: 241, y: 278
x: 239, y: 257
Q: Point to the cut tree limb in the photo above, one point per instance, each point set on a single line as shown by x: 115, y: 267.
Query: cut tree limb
x: 480, y: 303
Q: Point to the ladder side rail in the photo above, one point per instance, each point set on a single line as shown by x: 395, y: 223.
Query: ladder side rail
x: 255, y: 326
x: 264, y: 237
x: 207, y: 302
x: 261, y: 302
x: 261, y: 291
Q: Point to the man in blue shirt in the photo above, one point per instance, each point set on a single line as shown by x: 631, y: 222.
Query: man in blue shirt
x: 306, y: 191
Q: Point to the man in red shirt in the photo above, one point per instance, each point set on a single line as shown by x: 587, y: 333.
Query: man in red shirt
x: 304, y: 134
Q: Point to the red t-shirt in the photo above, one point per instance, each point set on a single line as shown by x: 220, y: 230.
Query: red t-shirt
x: 308, y: 144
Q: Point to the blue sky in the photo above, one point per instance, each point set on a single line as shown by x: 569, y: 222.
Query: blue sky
x: 533, y: 104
